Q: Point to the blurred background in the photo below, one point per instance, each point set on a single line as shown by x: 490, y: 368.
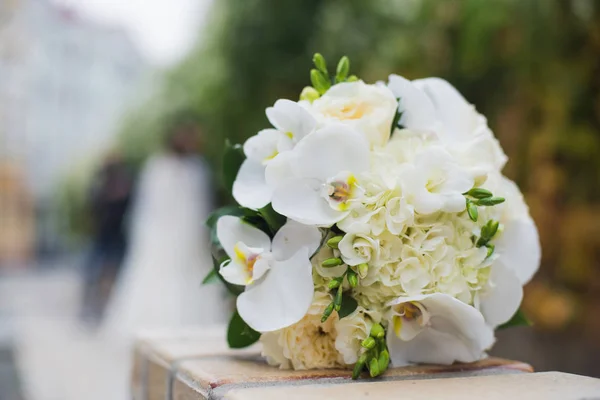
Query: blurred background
x: 90, y: 89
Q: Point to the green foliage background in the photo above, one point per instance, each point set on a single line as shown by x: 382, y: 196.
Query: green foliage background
x: 531, y: 66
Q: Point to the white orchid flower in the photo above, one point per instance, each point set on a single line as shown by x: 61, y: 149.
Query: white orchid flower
x: 292, y: 122
x: 437, y: 329
x: 277, y: 275
x: 435, y: 181
x: 325, y: 166
x: 434, y: 105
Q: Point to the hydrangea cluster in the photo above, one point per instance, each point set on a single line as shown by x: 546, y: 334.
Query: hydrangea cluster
x: 375, y: 227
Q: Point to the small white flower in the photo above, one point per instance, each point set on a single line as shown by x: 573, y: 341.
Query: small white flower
x: 324, y: 167
x: 435, y: 182
x: 358, y: 248
x: 277, y: 276
x: 398, y: 215
x: 367, y: 108
x: 436, y: 329
x: 251, y: 188
x: 352, y: 330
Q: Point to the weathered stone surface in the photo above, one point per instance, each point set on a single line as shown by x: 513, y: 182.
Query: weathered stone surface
x: 157, y: 354
x: 198, y: 364
x: 539, y: 386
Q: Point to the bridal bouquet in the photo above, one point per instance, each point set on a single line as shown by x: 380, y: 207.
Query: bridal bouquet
x: 374, y: 226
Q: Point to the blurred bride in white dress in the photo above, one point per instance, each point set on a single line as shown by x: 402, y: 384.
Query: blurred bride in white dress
x: 169, y: 255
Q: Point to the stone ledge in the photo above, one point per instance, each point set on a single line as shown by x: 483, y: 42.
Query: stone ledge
x: 539, y: 386
x: 197, y: 364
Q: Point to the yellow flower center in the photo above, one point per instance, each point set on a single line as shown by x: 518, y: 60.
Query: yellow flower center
x: 349, y: 111
x: 340, y: 192
x: 407, y: 312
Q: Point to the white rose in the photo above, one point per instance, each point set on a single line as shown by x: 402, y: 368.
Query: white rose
x: 368, y: 108
x: 308, y: 344
x: 358, y: 248
x: 352, y: 330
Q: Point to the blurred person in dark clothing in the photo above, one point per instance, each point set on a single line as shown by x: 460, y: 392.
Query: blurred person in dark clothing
x: 109, y: 201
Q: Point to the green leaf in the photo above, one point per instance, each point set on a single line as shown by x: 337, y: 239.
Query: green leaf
x: 349, y: 304
x: 233, y: 157
x: 274, y: 220
x: 519, y: 319
x: 214, y: 216
x: 239, y: 334
x: 211, y: 277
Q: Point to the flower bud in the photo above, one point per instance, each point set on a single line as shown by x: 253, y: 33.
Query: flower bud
x: 352, y: 278
x: 352, y: 78
x: 363, y: 270
x: 491, y: 249
x: 332, y: 262
x: 368, y: 343
x: 374, y: 368
x: 492, y: 228
x: 479, y: 193
x: 335, y: 283
x: 383, y: 361
x: 309, y: 94
x: 338, y: 298
x: 343, y: 68
x: 358, y: 367
x: 334, y: 241
x: 377, y: 331
x: 490, y: 201
x: 472, y: 211
x: 327, y: 312
x: 320, y: 63
x: 319, y: 81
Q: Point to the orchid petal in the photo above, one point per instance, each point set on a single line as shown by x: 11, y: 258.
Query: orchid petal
x: 262, y: 147
x: 455, y: 113
x: 518, y: 248
x: 293, y: 236
x: 455, y: 331
x: 417, y: 110
x: 250, y: 188
x: 291, y: 118
x: 502, y: 298
x: 331, y: 150
x: 302, y: 201
x: 232, y: 230
x: 279, y: 169
x: 282, y: 298
x: 234, y: 272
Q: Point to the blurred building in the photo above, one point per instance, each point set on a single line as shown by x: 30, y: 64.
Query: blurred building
x: 65, y: 83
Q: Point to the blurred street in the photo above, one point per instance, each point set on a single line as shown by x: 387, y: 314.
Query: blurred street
x: 49, y: 346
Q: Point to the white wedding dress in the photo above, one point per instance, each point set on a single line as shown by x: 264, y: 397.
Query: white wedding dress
x: 168, y: 257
